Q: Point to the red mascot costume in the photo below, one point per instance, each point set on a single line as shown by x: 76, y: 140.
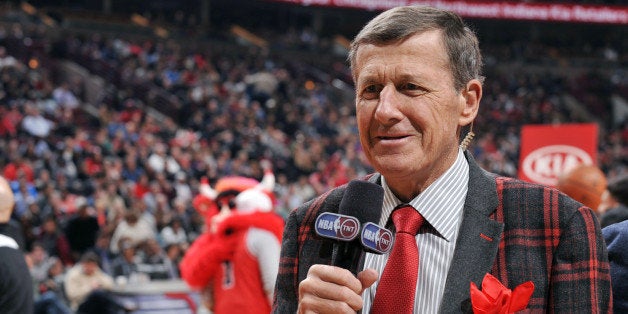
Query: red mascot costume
x: 235, y: 261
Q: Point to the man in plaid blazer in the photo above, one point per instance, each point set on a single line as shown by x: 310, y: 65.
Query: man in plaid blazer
x: 536, y: 232
x: 417, y: 72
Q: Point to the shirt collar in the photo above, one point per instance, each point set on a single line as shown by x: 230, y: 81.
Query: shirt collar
x: 441, y: 203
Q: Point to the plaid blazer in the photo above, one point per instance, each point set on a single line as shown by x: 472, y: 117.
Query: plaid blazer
x: 515, y: 230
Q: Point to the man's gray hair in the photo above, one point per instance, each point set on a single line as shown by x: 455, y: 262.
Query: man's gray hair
x: 400, y: 23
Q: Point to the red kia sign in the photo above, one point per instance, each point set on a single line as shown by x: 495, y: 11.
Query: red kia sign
x: 547, y: 151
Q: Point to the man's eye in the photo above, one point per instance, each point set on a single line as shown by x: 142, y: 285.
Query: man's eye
x: 371, y: 91
x: 410, y: 86
x: 412, y: 89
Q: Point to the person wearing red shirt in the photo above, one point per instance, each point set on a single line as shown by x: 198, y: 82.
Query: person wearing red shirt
x: 18, y: 167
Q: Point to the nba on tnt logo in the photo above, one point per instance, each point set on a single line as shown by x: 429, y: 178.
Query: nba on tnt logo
x: 337, y: 226
x: 376, y: 239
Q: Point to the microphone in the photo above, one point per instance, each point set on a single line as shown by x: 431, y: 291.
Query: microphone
x: 363, y: 201
x: 359, y: 210
x: 337, y: 227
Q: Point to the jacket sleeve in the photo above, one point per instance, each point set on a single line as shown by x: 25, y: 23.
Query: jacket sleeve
x: 580, y: 274
x: 301, y: 248
x: 285, y: 296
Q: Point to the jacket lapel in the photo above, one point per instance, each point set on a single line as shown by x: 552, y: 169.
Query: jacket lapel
x: 478, y: 240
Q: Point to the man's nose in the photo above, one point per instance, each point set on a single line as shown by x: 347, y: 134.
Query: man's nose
x: 387, y: 110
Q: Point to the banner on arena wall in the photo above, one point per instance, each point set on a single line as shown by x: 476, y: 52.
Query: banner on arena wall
x: 550, y: 150
x: 556, y: 12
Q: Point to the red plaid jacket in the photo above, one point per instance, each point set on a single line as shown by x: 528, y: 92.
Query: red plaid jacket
x: 515, y: 230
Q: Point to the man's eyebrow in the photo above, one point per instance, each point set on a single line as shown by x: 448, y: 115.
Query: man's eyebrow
x: 405, y: 75
x: 369, y: 79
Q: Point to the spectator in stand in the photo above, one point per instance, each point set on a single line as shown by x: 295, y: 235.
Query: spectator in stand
x: 183, y: 212
x: 31, y: 224
x: 132, y: 170
x: 182, y: 188
x: 160, y: 162
x: 174, y: 254
x: 9, y: 121
x: 154, y: 261
x: 19, y: 167
x: 54, y: 241
x: 35, y: 124
x: 109, y: 200
x: 131, y: 111
x: 141, y: 187
x: 25, y: 194
x: 86, y: 287
x: 81, y: 230
x: 166, y: 188
x: 126, y: 263
x: 38, y: 262
x: 296, y: 195
x: 151, y: 195
x: 136, y: 230
x: 614, y: 204
x: 101, y: 248
x: 65, y: 97
x: 7, y: 60
x: 174, y: 233
x: 51, y: 298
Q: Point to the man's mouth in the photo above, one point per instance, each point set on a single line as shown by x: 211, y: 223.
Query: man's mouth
x: 391, y: 137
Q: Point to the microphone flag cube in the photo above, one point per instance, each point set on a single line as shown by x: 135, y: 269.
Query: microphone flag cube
x: 337, y: 226
x: 376, y: 239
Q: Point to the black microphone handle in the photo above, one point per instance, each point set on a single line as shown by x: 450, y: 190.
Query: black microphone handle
x: 347, y: 255
x: 362, y: 200
x: 326, y: 250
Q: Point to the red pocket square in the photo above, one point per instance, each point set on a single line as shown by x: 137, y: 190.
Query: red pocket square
x: 495, y: 298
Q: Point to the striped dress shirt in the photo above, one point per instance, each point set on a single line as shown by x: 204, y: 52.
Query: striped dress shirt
x: 441, y: 205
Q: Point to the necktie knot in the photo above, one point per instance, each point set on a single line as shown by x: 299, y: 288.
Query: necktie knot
x: 407, y: 220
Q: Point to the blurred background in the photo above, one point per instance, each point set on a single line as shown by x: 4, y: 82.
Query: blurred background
x: 116, y: 108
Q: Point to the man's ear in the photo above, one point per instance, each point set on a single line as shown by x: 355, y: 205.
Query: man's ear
x: 472, y: 93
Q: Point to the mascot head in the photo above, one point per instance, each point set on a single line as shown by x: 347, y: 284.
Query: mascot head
x: 253, y: 200
x: 210, y: 201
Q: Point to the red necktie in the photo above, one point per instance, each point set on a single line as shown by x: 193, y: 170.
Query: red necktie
x: 397, y: 285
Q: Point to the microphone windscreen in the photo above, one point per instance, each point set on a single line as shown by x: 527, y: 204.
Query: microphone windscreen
x: 362, y: 200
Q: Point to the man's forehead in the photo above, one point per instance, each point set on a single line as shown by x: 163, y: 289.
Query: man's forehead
x: 423, y: 47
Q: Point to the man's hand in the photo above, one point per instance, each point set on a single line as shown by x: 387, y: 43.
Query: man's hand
x: 330, y: 289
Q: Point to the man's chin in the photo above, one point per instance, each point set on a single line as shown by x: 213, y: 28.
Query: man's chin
x: 392, y: 167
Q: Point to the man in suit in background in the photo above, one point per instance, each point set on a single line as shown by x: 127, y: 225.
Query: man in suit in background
x: 16, y: 285
x: 417, y: 72
x: 614, y: 204
x: 616, y: 237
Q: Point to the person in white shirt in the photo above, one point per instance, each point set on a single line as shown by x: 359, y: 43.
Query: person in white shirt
x: 85, y: 278
x: 134, y: 229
